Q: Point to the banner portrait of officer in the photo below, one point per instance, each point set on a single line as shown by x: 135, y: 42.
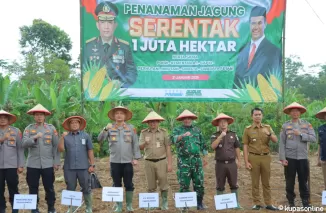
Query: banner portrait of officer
x: 109, y: 51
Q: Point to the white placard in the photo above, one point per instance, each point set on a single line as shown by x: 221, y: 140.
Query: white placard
x: 148, y: 200
x: 25, y: 201
x: 323, y: 199
x: 225, y: 201
x: 185, y: 199
x: 71, y: 198
x: 112, y: 194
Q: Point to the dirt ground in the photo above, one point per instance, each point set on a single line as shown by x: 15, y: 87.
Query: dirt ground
x: 102, y: 170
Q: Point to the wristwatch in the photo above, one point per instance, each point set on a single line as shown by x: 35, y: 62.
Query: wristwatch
x: 93, y: 165
x: 270, y: 134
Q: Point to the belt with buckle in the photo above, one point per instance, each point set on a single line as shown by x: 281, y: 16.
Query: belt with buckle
x: 155, y: 160
x: 225, y: 161
x: 259, y: 153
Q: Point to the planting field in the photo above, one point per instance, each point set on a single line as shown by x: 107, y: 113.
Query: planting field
x: 102, y: 170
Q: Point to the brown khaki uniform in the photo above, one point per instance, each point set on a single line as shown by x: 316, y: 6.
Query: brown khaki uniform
x: 155, y: 158
x: 225, y: 155
x: 258, y: 148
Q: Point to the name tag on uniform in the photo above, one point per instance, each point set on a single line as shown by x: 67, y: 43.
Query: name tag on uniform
x: 83, y: 141
x: 158, y: 144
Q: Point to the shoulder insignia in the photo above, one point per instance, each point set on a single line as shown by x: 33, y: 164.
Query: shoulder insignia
x: 164, y: 130
x: 123, y: 41
x: 144, y: 130
x: 91, y: 39
x: 248, y: 127
x: 289, y: 127
x: 266, y: 125
x: 55, y: 132
x: 135, y: 131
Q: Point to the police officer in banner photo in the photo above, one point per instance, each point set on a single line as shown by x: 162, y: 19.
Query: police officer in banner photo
x: 124, y: 151
x: 41, y: 139
x: 79, y: 157
x: 227, y: 155
x: 158, y: 158
x: 189, y: 143
x: 113, y: 53
x: 12, y: 158
x: 256, y: 138
x: 293, y: 152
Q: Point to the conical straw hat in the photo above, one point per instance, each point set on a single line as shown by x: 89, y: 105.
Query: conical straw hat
x: 186, y: 114
x: 82, y: 122
x: 321, y: 114
x: 127, y: 111
x: 222, y: 116
x: 153, y: 116
x: 294, y: 105
x: 39, y: 108
x: 12, y: 118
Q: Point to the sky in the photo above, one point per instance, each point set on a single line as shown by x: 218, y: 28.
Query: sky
x: 305, y: 33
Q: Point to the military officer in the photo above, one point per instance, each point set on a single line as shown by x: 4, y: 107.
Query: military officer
x: 322, y: 143
x: 227, y: 155
x: 189, y: 143
x: 41, y: 139
x: 158, y: 158
x: 109, y: 51
x: 256, y: 139
x: 79, y: 158
x: 124, y: 151
x: 12, y: 158
x: 293, y: 152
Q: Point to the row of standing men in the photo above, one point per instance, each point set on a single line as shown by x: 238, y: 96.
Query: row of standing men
x: 44, y: 147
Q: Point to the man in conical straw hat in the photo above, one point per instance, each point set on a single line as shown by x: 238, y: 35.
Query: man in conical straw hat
x: 256, y: 151
x: 227, y: 155
x: 124, y: 151
x: 12, y: 158
x: 158, y: 158
x: 79, y: 157
x: 322, y: 144
x: 190, y: 143
x: 293, y: 152
x: 41, y: 139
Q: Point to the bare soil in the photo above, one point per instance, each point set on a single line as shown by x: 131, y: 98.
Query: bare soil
x: 102, y: 170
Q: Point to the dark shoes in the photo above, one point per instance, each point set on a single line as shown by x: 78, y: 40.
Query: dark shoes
x: 257, y: 207
x: 291, y: 204
x: 305, y: 203
x: 272, y: 208
x: 35, y: 211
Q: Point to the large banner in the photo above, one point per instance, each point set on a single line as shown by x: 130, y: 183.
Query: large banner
x: 182, y: 50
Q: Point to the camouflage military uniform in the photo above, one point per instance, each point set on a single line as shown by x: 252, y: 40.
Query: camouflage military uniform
x: 116, y: 56
x: 190, y: 165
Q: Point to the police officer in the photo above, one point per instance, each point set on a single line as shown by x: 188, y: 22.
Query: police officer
x: 293, y: 152
x: 124, y: 151
x: 256, y: 139
x: 12, y: 158
x: 41, y: 139
x: 189, y: 143
x: 109, y: 51
x: 322, y: 144
x: 158, y: 158
x: 227, y: 155
x: 79, y: 158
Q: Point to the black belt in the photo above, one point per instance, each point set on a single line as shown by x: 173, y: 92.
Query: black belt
x: 259, y: 154
x: 226, y: 161
x: 155, y: 160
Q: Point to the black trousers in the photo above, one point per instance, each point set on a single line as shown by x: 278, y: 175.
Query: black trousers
x: 302, y: 168
x: 10, y: 177
x: 125, y: 171
x: 33, y: 178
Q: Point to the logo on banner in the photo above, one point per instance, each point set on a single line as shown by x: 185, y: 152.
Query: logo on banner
x: 193, y: 93
x: 173, y: 93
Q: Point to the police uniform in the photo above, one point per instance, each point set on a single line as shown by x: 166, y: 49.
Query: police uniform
x: 260, y: 159
x: 11, y: 158
x: 294, y: 149
x: 190, y: 166
x: 124, y: 148
x: 115, y: 55
x: 76, y: 162
x: 42, y: 156
x: 156, y: 147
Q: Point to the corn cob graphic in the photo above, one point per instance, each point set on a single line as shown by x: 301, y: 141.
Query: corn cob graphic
x: 106, y: 91
x: 276, y: 83
x: 266, y: 90
x: 96, y: 83
x: 254, y: 95
x: 86, y: 77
